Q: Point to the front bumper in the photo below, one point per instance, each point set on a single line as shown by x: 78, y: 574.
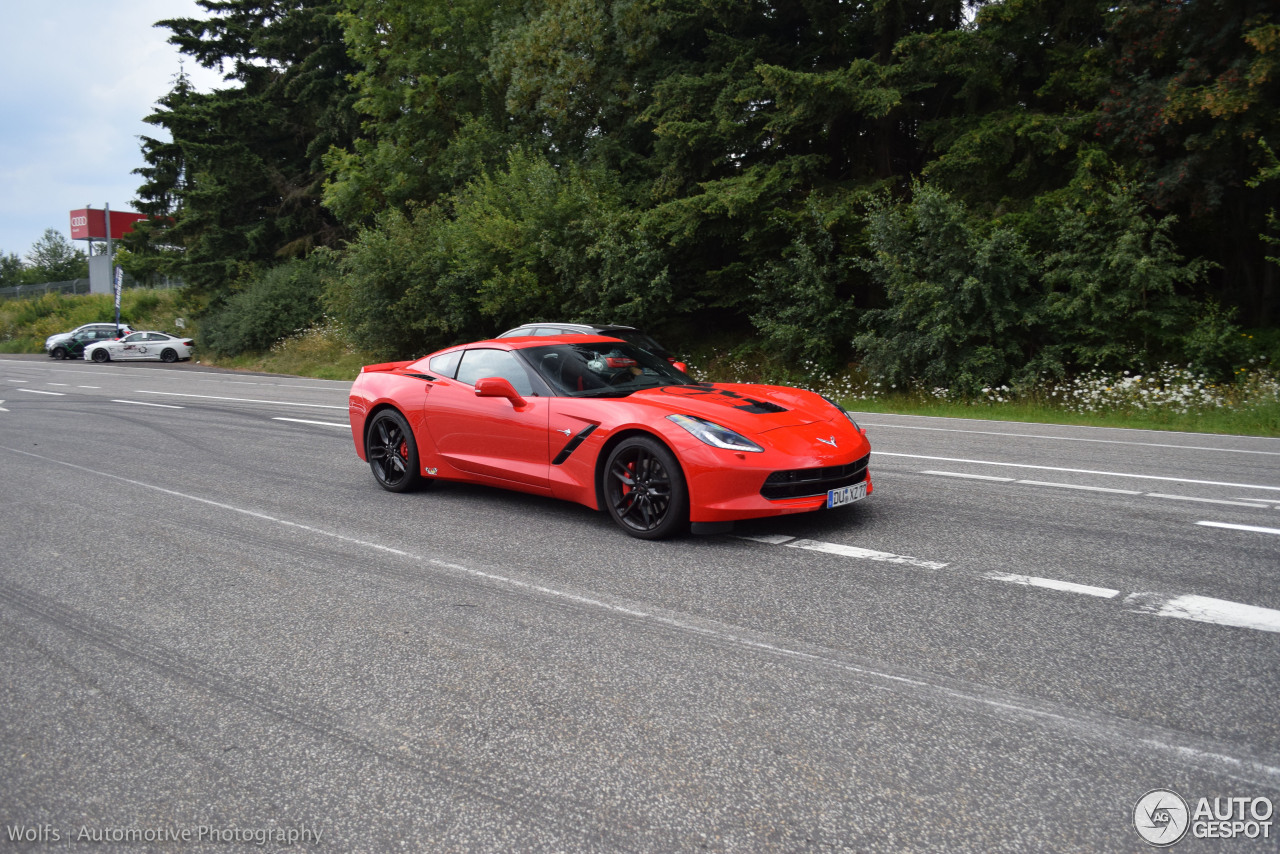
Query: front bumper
x: 726, y: 486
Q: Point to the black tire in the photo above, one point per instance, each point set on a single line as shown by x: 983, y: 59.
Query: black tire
x: 59, y: 353
x: 644, y: 489
x: 169, y: 355
x: 392, y: 452
x: 101, y: 355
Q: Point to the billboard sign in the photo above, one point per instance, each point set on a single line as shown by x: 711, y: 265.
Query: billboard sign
x: 91, y: 224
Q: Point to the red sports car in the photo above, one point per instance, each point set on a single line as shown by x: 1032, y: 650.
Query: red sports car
x: 606, y: 424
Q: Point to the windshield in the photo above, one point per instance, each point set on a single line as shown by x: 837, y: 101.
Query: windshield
x: 601, y: 369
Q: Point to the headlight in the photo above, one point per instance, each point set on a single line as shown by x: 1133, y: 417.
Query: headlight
x: 845, y: 412
x: 715, y: 435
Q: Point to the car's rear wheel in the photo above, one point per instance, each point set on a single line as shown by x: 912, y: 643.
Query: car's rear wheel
x: 101, y: 356
x: 644, y: 489
x: 392, y: 452
x: 59, y: 353
x: 169, y: 355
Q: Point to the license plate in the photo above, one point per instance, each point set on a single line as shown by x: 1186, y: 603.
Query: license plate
x: 846, y: 494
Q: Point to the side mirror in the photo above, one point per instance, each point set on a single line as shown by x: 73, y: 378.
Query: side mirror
x: 681, y: 367
x: 499, y: 387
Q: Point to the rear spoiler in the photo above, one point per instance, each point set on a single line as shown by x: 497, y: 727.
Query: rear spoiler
x: 385, y: 366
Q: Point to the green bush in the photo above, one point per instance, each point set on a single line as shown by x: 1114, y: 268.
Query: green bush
x: 1117, y: 286
x: 961, y: 296
x: 268, y: 307
x: 528, y: 242
x: 803, y: 306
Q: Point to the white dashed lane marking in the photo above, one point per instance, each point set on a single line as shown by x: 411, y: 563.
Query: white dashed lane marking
x: 143, y: 403
x: 1053, y: 584
x: 1203, y: 609
x: 1254, y: 503
x: 319, y: 423
x: 1080, y: 487
x: 843, y: 551
x: 1200, y: 609
x: 970, y: 476
x: 1129, y: 475
x: 1075, y: 439
x: 243, y: 399
x: 1253, y: 528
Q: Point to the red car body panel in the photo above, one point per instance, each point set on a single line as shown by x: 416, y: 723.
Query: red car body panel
x: 551, y: 445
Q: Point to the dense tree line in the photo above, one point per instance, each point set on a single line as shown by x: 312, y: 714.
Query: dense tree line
x: 955, y: 193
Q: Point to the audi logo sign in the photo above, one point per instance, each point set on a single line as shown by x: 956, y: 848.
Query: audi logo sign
x: 91, y: 224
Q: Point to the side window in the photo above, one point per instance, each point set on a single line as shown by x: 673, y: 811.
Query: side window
x: 446, y: 365
x: 481, y: 363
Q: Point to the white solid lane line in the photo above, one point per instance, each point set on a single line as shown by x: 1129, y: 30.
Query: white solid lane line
x: 1080, y: 471
x: 37, y: 391
x: 1076, y: 439
x: 1253, y: 528
x: 1053, y: 584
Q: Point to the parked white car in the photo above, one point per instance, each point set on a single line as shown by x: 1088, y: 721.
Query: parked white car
x: 141, y: 345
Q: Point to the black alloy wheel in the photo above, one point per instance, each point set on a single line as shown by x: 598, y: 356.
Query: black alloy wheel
x: 644, y: 489
x: 169, y: 355
x: 101, y: 355
x: 59, y: 353
x: 392, y: 452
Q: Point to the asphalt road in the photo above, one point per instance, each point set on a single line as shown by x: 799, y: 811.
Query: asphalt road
x: 213, y: 622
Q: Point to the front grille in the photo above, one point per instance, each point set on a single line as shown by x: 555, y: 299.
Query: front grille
x: 801, y: 483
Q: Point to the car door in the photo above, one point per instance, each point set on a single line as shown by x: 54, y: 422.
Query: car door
x: 129, y: 347
x: 491, y: 437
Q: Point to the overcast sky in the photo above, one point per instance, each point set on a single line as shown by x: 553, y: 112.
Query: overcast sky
x: 77, y: 77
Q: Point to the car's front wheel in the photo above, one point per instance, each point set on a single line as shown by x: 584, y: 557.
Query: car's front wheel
x: 101, y: 356
x: 59, y: 353
x: 392, y: 452
x: 644, y: 489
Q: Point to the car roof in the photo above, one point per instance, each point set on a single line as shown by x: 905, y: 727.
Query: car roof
x: 584, y: 327
x: 523, y: 342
